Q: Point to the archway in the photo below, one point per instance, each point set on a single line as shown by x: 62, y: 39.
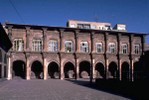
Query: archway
x: 19, y: 69
x: 137, y: 71
x: 113, y: 73
x: 37, y: 70
x: 69, y: 70
x: 125, y: 71
x: 53, y: 70
x: 99, y: 70
x: 84, y: 69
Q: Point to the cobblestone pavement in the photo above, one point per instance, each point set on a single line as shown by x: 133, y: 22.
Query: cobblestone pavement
x: 52, y: 89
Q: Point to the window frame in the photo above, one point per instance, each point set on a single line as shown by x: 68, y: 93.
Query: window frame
x: 71, y: 46
x: 18, y: 44
x: 112, y: 47
x: 54, y: 45
x: 82, y: 49
x: 138, y: 49
x: 100, y: 48
x: 37, y: 45
x: 124, y: 48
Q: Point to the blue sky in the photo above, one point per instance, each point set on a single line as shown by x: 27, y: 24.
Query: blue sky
x: 133, y: 13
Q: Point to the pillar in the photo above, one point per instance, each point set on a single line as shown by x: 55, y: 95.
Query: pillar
x: 131, y: 75
x: 9, y: 68
x: 28, y: 67
x: 77, y: 69
x: 61, y: 71
x: 120, y: 69
x: 107, y: 69
x: 45, y: 68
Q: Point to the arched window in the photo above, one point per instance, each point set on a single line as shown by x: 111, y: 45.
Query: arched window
x: 68, y: 46
x: 137, y: 48
x: 84, y: 47
x: 36, y: 45
x: 99, y: 47
x: 53, y: 46
x: 124, y: 48
x: 18, y: 45
x: 112, y: 47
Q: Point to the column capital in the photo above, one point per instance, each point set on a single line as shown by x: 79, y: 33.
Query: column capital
x: 27, y: 28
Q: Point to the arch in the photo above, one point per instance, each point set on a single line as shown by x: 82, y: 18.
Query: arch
x: 84, y: 69
x: 19, y: 69
x: 99, y: 69
x: 53, y: 70
x: 112, y: 71
x: 137, y: 71
x: 37, y: 70
x: 125, y: 71
x: 69, y: 70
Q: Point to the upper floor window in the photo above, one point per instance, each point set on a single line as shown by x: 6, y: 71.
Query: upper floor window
x: 112, y: 47
x: 53, y: 46
x: 18, y: 45
x: 85, y: 26
x: 36, y: 45
x: 84, y: 47
x: 68, y: 46
x: 137, y: 48
x: 99, y: 48
x: 124, y: 48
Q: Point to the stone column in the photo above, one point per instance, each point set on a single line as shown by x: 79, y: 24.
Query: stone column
x: 61, y: 71
x: 106, y: 55
x: 131, y: 58
x: 107, y: 68
x: 120, y: 69
x: 9, y: 68
x: 77, y: 69
x: 131, y: 75
x: 119, y: 54
x: 28, y: 67
x: 45, y: 68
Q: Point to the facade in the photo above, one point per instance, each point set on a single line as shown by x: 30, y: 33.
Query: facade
x: 5, y: 45
x: 44, y: 52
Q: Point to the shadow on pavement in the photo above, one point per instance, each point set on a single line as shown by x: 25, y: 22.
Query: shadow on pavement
x: 132, y: 90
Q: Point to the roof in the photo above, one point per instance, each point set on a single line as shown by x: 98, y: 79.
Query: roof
x: 68, y: 28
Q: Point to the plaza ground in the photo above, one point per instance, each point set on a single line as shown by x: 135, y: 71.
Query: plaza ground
x: 53, y: 89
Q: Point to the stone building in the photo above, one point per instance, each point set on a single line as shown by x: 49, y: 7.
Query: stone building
x: 45, y: 52
x: 5, y: 45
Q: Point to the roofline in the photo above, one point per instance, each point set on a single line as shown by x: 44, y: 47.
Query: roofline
x: 60, y: 27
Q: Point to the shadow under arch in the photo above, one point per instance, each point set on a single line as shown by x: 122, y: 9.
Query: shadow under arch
x: 99, y: 70
x: 37, y: 70
x: 19, y: 69
x: 112, y: 71
x: 53, y: 70
x: 138, y: 71
x: 125, y: 71
x: 84, y: 69
x: 69, y: 70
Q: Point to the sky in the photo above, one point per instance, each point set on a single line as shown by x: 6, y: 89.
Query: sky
x: 133, y: 13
